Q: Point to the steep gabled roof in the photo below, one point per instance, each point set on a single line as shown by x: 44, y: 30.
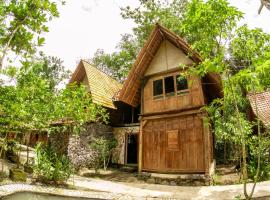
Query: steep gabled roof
x: 263, y: 105
x: 101, y: 86
x: 130, y: 93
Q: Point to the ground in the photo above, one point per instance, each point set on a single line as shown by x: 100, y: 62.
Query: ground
x: 115, y: 184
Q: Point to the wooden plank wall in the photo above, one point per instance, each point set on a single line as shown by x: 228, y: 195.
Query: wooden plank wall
x: 194, y: 97
x: 160, y: 157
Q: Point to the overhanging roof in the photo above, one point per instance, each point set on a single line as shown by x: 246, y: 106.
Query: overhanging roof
x: 101, y: 86
x: 130, y: 93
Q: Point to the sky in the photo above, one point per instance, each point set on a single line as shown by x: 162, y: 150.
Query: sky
x: 87, y: 25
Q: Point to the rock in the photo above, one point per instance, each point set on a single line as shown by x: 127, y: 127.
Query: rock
x: 165, y: 182
x: 28, y: 168
x: 151, y: 181
x: 132, y: 179
x: 173, y: 183
x: 17, y: 175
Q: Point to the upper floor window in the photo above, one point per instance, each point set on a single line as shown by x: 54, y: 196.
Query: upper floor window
x: 158, y: 88
x: 181, y: 83
x: 176, y: 84
x: 169, y: 86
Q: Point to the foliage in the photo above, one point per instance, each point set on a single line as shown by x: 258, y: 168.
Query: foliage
x: 207, y: 25
x: 21, y: 25
x: 49, y: 68
x: 51, y: 167
x: 103, y: 148
x: 118, y: 63
x: 237, y: 54
x: 165, y: 12
x: 33, y: 103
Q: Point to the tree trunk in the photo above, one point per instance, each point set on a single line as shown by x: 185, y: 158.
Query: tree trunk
x: 243, y: 140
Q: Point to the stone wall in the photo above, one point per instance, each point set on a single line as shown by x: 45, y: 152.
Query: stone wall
x: 77, y: 146
x: 120, y: 135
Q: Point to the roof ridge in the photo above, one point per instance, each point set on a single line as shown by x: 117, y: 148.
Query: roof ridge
x: 96, y: 67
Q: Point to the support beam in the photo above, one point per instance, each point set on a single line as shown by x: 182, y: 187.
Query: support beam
x: 140, y: 150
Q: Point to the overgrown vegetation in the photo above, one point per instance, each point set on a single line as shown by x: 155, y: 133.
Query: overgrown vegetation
x: 31, y: 98
x: 50, y: 166
x: 102, y: 147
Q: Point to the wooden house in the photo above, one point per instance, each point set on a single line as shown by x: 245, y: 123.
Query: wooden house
x: 156, y: 114
x: 172, y: 135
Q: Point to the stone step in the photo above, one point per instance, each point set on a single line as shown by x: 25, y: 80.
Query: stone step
x: 129, y: 168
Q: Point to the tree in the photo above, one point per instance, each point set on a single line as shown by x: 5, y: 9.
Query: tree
x: 168, y: 13
x: 21, y: 24
x: 234, y: 53
x: 32, y: 104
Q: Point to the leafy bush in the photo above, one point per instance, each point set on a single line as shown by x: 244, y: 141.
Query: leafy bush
x: 49, y: 166
x: 103, y: 150
x: 264, y: 173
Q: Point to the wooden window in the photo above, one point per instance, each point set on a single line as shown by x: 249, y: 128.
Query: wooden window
x: 181, y: 84
x: 158, y: 88
x: 169, y: 86
x: 173, y: 140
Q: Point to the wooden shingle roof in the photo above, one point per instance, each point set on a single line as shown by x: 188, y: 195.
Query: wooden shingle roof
x: 263, y: 105
x: 101, y: 86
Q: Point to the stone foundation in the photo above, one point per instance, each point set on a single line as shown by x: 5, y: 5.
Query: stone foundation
x: 176, y: 179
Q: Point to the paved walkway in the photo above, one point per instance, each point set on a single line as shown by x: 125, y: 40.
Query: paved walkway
x: 141, y: 190
x: 101, y: 189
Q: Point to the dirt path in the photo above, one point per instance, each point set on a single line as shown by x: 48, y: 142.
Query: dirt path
x: 143, y: 190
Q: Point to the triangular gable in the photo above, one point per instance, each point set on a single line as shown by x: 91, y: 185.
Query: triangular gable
x: 130, y: 93
x: 167, y: 57
x: 101, y: 86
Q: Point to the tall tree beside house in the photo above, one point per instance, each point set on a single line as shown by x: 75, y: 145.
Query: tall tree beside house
x: 244, y: 70
x: 21, y: 25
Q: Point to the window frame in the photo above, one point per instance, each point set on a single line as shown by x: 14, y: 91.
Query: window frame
x: 172, y: 94
x: 160, y: 96
x: 169, y: 94
x: 181, y: 92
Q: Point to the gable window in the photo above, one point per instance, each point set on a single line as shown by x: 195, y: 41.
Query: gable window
x: 181, y: 84
x: 169, y: 85
x: 158, y: 88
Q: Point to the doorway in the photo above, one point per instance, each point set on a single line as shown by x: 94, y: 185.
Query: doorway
x: 131, y: 148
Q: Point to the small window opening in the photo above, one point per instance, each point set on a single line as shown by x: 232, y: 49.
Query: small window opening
x: 158, y: 88
x: 181, y: 84
x: 169, y: 86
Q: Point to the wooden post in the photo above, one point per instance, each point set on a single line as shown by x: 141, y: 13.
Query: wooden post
x: 206, y: 148
x: 140, y: 149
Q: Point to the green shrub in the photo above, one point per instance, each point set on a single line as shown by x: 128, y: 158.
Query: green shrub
x: 103, y: 150
x: 264, y: 173
x: 49, y: 166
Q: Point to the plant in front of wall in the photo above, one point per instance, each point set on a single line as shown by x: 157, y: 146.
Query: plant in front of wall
x: 51, y: 167
x: 103, y: 148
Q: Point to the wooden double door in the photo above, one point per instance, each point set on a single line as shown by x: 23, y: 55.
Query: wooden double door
x: 173, y: 145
